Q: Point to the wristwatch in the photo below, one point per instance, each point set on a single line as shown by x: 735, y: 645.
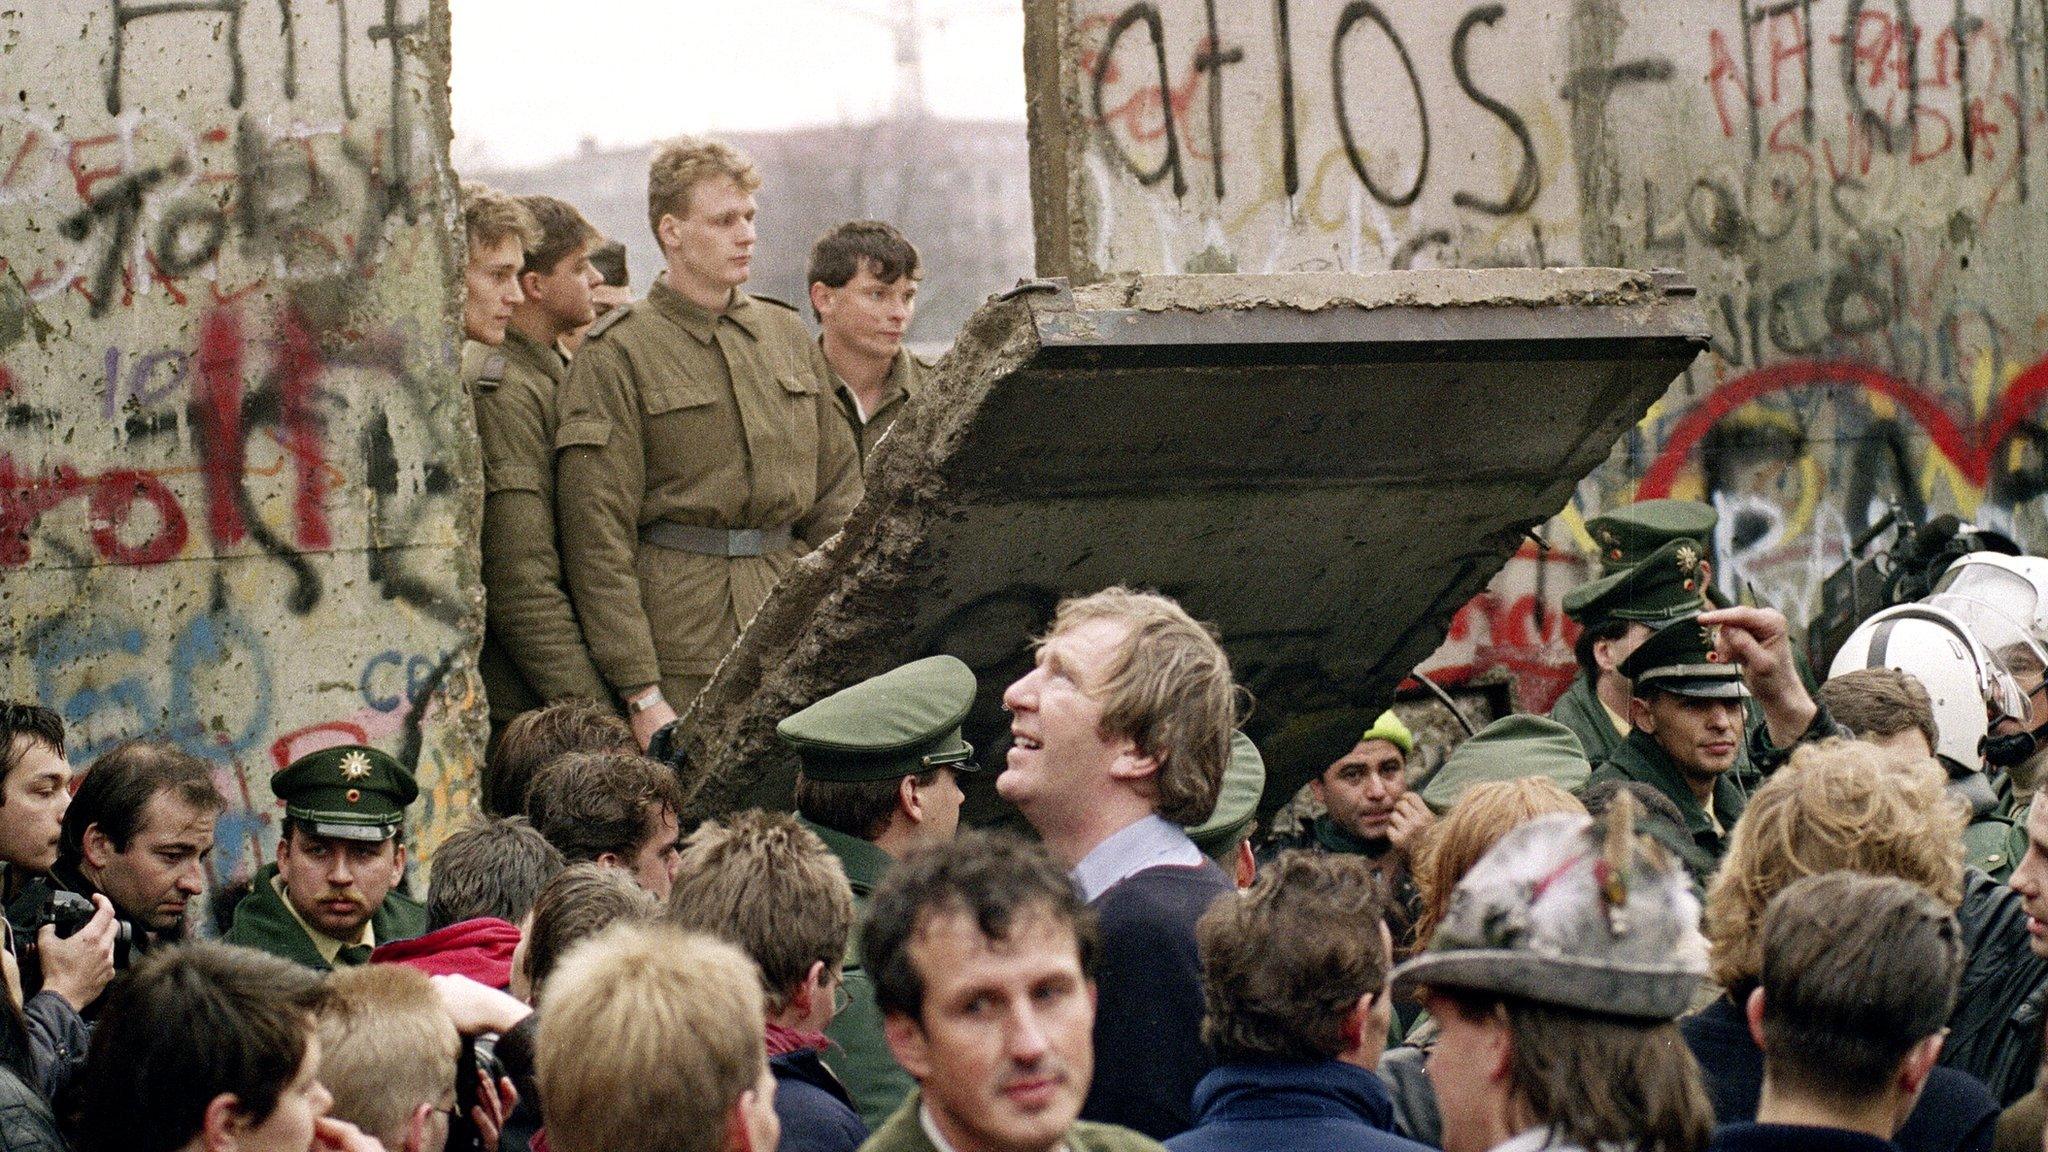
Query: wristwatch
x: 649, y: 699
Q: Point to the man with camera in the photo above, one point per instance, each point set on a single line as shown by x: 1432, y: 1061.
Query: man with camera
x: 140, y: 832
x: 55, y: 966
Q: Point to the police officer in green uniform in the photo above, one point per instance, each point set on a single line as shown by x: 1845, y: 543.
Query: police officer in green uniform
x: 1614, y: 616
x: 334, y: 893
x: 700, y: 453
x: 877, y: 781
x: 1225, y: 836
x: 533, y: 651
x: 863, y: 279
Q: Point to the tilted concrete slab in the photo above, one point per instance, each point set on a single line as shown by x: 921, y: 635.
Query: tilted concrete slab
x: 1324, y: 466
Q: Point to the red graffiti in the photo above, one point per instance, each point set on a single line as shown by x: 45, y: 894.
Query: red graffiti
x: 1516, y: 626
x: 297, y: 358
x: 217, y: 409
x: 1971, y: 447
x: 110, y: 501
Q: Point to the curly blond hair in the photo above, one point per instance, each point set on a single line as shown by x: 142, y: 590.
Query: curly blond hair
x: 1837, y: 806
x: 685, y: 162
x: 1480, y: 818
x: 488, y: 216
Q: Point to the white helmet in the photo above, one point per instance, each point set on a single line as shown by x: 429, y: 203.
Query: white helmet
x: 1968, y: 684
x: 2016, y: 587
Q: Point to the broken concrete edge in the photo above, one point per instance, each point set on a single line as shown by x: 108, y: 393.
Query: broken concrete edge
x: 1052, y: 55
x: 1436, y: 288
x: 792, y: 652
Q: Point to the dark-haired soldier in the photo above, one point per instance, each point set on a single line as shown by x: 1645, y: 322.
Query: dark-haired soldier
x: 533, y: 651
x: 863, y: 279
x: 140, y: 830
x: 334, y: 893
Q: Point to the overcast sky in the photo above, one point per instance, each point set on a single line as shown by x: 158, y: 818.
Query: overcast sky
x: 532, y: 78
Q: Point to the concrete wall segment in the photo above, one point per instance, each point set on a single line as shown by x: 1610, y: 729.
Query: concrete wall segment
x: 238, y: 479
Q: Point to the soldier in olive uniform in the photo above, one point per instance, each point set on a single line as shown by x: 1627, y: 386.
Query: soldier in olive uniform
x: 533, y: 651
x: 334, y: 893
x: 863, y: 281
x: 1613, y: 619
x: 878, y: 781
x: 700, y: 452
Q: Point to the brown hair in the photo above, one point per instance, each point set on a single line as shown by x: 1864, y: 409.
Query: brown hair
x: 1168, y: 689
x: 1598, y: 1080
x: 387, y: 1046
x: 769, y: 885
x: 685, y: 162
x: 992, y: 878
x: 534, y: 738
x: 1836, y: 805
x: 860, y: 809
x: 183, y: 1026
x: 1881, y: 702
x: 1856, y: 971
x: 581, y: 901
x: 591, y: 803
x: 489, y: 216
x: 1480, y: 818
x: 841, y: 254
x: 489, y: 867
x: 117, y: 789
x: 648, y: 1037
x: 1291, y: 1002
x: 561, y: 229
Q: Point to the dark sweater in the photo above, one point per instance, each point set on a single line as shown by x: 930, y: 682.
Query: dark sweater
x: 816, y: 1113
x: 1149, y: 1053
x: 1292, y: 1107
x: 1794, y: 1138
x: 1955, y: 1114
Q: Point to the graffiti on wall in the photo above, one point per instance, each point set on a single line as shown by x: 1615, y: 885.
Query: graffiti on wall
x: 1855, y: 186
x: 230, y: 515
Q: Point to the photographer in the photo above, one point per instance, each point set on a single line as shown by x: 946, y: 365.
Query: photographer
x: 140, y: 831
x: 75, y: 968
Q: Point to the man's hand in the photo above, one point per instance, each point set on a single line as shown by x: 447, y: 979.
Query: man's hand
x: 1760, y: 641
x: 1410, y: 820
x: 651, y: 720
x: 79, y: 967
x: 331, y: 1135
x: 478, y: 1008
x: 494, y: 1105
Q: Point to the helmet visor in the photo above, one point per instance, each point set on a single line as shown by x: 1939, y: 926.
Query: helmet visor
x: 2015, y: 663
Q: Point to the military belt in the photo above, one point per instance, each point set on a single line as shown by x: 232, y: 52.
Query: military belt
x: 716, y: 541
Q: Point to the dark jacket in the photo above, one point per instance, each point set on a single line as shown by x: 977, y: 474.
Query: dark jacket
x: 1404, y: 904
x: 816, y: 1113
x: 1995, y: 1031
x: 1955, y: 1114
x: 860, y: 1056
x: 1794, y: 1138
x: 27, y: 1123
x: 1290, y: 1107
x: 58, y: 1036
x: 1149, y: 1053
x: 263, y: 922
x: 1641, y: 758
x: 1580, y: 710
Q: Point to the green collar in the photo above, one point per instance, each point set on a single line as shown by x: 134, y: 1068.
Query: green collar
x: 701, y: 323
x: 865, y: 863
x: 1641, y: 758
x: 1335, y: 839
x: 533, y: 352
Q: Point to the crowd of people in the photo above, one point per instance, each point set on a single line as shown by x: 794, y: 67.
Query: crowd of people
x: 1705, y: 903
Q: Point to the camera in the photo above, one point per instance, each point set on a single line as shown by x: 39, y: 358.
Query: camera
x: 39, y: 904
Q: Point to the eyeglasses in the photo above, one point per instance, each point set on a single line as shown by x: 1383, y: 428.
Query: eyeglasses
x: 841, y: 999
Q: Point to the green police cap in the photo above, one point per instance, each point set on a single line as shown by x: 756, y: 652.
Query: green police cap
x: 1679, y: 658
x: 904, y: 722
x: 1670, y: 583
x: 1510, y: 748
x: 1628, y: 535
x: 352, y: 792
x: 1244, y: 781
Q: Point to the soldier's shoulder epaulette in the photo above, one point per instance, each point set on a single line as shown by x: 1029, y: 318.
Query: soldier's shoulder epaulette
x: 926, y: 363
x: 483, y: 364
x: 776, y: 302
x: 605, y: 322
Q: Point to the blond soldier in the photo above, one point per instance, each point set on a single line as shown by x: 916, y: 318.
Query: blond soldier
x: 533, y: 651
x: 700, y: 453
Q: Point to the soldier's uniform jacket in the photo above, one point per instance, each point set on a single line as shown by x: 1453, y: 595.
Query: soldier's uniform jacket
x: 1641, y: 758
x: 533, y: 650
x: 905, y: 380
x: 265, y: 921
x: 861, y: 1058
x: 1580, y: 710
x: 724, y: 421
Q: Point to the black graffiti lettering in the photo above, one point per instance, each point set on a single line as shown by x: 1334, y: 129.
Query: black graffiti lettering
x: 1212, y: 60
x: 397, y: 193
x: 190, y: 234
x: 1894, y: 137
x: 1148, y: 15
x: 1290, y: 160
x: 1404, y: 256
x: 2016, y: 43
x: 1529, y: 181
x: 114, y: 214
x: 1965, y: 26
x: 289, y: 25
x: 126, y: 12
x: 1714, y: 214
x: 1353, y: 14
x: 1856, y: 304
